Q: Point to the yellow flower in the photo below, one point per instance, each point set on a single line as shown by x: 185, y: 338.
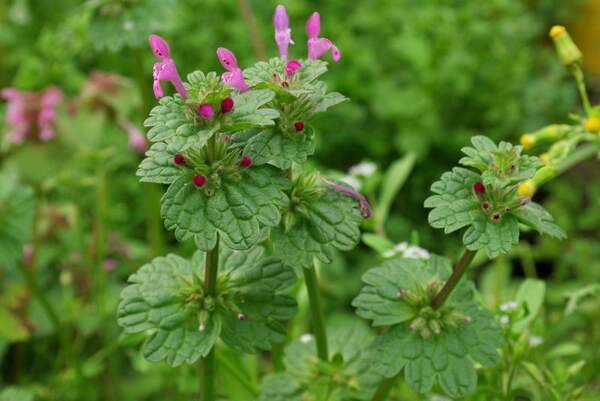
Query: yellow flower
x: 526, y: 188
x: 592, y: 124
x: 527, y: 140
x: 545, y: 158
x: 557, y: 30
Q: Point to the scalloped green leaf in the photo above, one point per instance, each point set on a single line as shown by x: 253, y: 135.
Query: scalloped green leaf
x: 171, y: 117
x: 154, y: 301
x: 494, y: 237
x: 280, y: 387
x: 447, y: 358
x: 237, y: 211
x: 273, y: 147
x: 158, y: 166
x: 538, y: 218
x: 17, y: 211
x: 248, y: 111
x: 328, y: 223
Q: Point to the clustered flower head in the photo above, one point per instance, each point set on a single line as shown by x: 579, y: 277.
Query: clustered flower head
x: 31, y: 114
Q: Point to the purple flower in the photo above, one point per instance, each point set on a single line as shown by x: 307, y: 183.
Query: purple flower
x: 234, y: 76
x: 283, y: 33
x: 291, y: 67
x: 16, y: 114
x: 136, y: 139
x: 365, y: 208
x: 165, y: 69
x: 318, y: 46
x: 48, y: 102
x: 109, y: 264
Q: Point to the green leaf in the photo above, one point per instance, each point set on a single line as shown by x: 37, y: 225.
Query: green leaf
x: 378, y: 243
x: 325, y: 224
x: 395, y: 177
x: 248, y: 113
x: 171, y: 117
x: 531, y: 295
x: 271, y: 146
x: 280, y: 387
x: 494, y: 237
x: 536, y: 217
x: 17, y: 211
x: 154, y: 301
x: 16, y: 394
x: 158, y: 166
x: 398, y: 294
x: 238, y: 210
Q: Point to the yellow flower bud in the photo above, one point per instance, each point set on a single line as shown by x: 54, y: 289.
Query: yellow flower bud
x: 545, y: 158
x: 592, y: 124
x: 557, y: 30
x: 527, y: 140
x: 567, y: 50
x: 526, y: 188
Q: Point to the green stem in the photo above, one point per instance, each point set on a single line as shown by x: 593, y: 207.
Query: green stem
x: 277, y: 356
x: 237, y: 374
x: 384, y: 388
x: 577, y: 156
x: 39, y: 294
x: 257, y: 43
x: 459, y: 269
x: 578, y: 74
x: 314, y: 298
x: 211, y: 269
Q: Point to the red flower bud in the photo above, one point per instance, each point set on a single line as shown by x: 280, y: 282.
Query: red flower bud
x: 496, y: 216
x: 199, y: 180
x: 479, y: 188
x: 485, y: 205
x: 299, y: 126
x: 246, y: 162
x: 179, y: 159
x: 227, y: 105
x: 226, y: 138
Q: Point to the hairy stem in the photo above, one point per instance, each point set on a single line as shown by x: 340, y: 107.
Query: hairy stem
x: 577, y: 156
x: 578, y: 74
x: 211, y: 269
x: 459, y: 269
x: 314, y: 298
x: 383, y: 389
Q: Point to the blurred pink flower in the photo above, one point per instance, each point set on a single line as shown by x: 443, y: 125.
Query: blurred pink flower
x: 136, y: 138
x: 318, y: 46
x: 109, y: 264
x: 165, y: 69
x: 283, y: 33
x: 291, y: 67
x: 234, y: 76
x: 31, y: 113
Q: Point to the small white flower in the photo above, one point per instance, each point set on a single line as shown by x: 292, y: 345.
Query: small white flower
x: 352, y: 181
x: 407, y: 251
x: 363, y: 169
x: 509, y: 306
x: 535, y: 341
x: 504, y: 319
x: 306, y: 338
x: 389, y: 253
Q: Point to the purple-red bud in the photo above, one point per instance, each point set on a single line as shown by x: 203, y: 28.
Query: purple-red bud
x: 241, y: 316
x: 227, y: 105
x: 299, y: 126
x: 246, y: 162
x: 179, y: 159
x: 496, y: 216
x: 199, y: 180
x: 206, y: 110
x: 485, y: 205
x: 479, y: 188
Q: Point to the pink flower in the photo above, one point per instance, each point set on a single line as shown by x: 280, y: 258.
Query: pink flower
x: 283, y: 33
x: 16, y: 114
x: 291, y: 67
x: 234, y: 76
x: 363, y: 204
x: 136, y: 138
x: 49, y: 100
x: 109, y: 264
x: 318, y: 46
x: 206, y: 110
x: 165, y: 69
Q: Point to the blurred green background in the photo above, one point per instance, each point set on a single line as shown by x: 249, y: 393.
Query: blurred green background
x: 422, y: 76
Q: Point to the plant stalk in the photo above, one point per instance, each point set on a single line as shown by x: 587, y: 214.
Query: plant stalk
x: 578, y: 74
x: 211, y: 269
x: 257, y: 43
x: 383, y: 389
x: 37, y: 292
x: 318, y: 321
x: 459, y: 269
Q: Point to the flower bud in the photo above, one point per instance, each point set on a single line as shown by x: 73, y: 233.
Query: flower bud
x: 246, y: 162
x: 485, y: 205
x: 527, y: 141
x: 199, y: 181
x: 567, y: 50
x: 479, y: 188
x: 206, y: 110
x: 592, y: 124
x: 299, y: 126
x: 227, y: 105
x: 526, y: 188
x: 241, y: 316
x: 179, y: 159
